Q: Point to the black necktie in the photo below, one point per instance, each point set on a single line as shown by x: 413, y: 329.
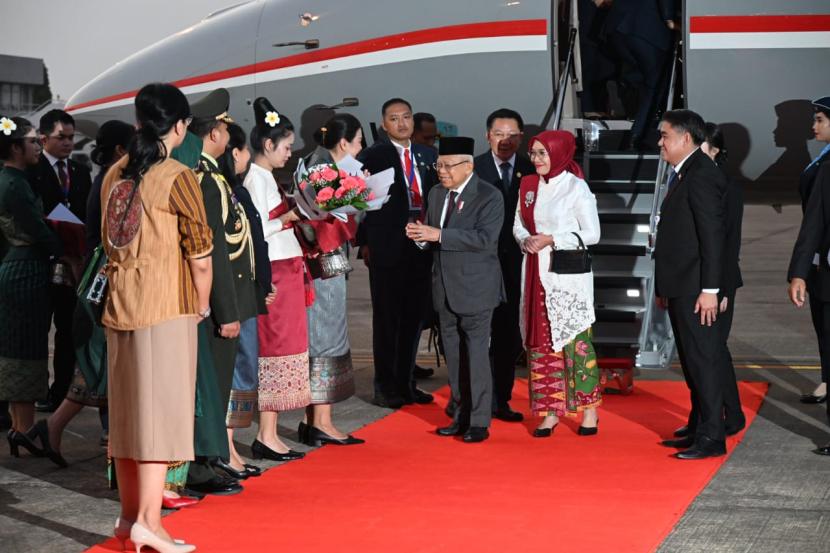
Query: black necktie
x: 505, y: 176
x: 450, y: 208
x: 669, y: 186
x: 63, y: 176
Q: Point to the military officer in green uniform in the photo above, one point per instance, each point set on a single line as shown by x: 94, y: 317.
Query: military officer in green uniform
x: 233, y: 297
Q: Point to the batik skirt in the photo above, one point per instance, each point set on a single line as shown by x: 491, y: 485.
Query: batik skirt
x: 564, y: 382
x: 330, y: 368
x: 245, y: 378
x: 283, y: 341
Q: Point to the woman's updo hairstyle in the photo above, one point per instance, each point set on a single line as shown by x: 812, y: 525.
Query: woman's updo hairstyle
x: 227, y: 165
x: 341, y: 126
x: 111, y: 134
x: 15, y: 137
x: 269, y: 125
x: 158, y: 107
x: 713, y: 135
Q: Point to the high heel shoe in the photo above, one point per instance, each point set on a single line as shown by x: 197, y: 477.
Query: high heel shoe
x: 261, y: 451
x: 17, y: 439
x: 316, y: 437
x: 178, y: 502
x: 122, y: 532
x: 142, y: 537
x: 41, y: 430
x: 588, y: 431
x: 544, y: 432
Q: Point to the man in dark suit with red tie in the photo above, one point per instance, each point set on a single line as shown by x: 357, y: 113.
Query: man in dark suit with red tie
x: 504, y: 167
x: 399, y: 272
x: 60, y: 180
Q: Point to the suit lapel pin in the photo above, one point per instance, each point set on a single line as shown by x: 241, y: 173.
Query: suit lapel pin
x: 529, y: 197
x: 518, y: 174
x: 460, y: 206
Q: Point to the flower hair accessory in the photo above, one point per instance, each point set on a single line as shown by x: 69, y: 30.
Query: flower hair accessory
x: 7, y: 126
x: 272, y: 118
x: 323, y: 131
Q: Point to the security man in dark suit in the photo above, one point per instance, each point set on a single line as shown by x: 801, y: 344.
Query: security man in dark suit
x: 398, y: 270
x: 234, y: 295
x: 57, y: 179
x: 689, y: 255
x: 731, y: 280
x: 504, y: 167
x: 810, y: 262
x: 462, y: 229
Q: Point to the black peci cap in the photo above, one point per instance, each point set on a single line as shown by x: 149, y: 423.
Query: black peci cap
x: 823, y: 103
x: 456, y: 145
x: 213, y: 106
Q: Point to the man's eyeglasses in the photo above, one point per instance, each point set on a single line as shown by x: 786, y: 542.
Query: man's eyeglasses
x: 500, y: 135
x: 440, y: 165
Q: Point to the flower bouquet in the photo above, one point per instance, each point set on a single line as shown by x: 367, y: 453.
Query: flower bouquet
x: 324, y: 189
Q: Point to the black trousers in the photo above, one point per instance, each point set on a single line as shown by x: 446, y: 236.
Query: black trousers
x: 732, y: 413
x: 700, y: 350
x: 400, y: 303
x: 506, y: 339
x: 63, y: 364
x: 821, y: 324
x: 471, y: 381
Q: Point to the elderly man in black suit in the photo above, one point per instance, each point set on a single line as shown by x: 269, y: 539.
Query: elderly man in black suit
x: 504, y: 167
x: 689, y: 255
x: 462, y: 229
x: 57, y: 179
x: 398, y: 270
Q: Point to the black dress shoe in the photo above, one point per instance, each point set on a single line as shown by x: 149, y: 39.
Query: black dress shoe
x: 703, y: 448
x: 218, y: 485
x: 220, y: 464
x: 317, y: 437
x: 732, y: 429
x: 252, y: 470
x: 475, y: 434
x: 455, y: 429
x: 421, y: 373
x: 810, y: 398
x: 41, y: 430
x: 261, y: 451
x: 45, y: 406
x: 682, y: 432
x: 544, y: 432
x: 679, y: 443
x: 389, y: 402
x: 420, y: 397
x: 20, y: 439
x: 586, y: 431
x: 507, y: 414
x: 449, y: 410
x: 302, y: 432
x: 825, y: 450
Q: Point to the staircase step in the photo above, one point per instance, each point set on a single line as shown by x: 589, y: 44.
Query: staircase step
x: 617, y: 249
x: 619, y: 313
x: 624, y: 217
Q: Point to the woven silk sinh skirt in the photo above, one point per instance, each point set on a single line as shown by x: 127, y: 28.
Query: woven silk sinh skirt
x: 283, y: 341
x: 25, y: 319
x: 330, y: 367
x: 152, y: 391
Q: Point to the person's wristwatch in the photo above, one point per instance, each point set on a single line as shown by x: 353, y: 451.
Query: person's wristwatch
x: 205, y: 314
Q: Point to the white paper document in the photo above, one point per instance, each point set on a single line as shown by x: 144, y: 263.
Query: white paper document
x: 62, y: 214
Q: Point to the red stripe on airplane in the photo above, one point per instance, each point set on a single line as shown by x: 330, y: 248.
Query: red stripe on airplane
x: 424, y: 36
x: 759, y: 23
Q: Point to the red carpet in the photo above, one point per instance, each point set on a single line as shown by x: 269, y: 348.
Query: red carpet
x: 408, y: 490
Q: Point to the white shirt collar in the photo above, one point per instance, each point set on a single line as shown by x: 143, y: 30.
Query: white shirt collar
x: 682, y: 161
x: 52, y: 159
x: 461, y: 188
x: 401, y: 148
x: 498, y: 161
x: 260, y: 169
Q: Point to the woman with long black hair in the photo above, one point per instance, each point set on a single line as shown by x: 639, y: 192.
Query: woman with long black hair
x: 159, y: 277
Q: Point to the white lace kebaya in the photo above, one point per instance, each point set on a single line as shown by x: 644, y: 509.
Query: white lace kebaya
x: 564, y: 204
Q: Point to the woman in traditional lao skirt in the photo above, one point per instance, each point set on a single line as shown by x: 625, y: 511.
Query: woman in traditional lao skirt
x: 24, y: 283
x: 330, y: 366
x: 282, y: 333
x: 557, y: 309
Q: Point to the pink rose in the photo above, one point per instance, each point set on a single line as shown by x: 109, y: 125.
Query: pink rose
x: 349, y: 183
x: 303, y: 184
x: 343, y: 174
x: 328, y: 174
x: 371, y: 196
x: 315, y: 177
x: 361, y: 185
x: 340, y: 192
x: 325, y: 194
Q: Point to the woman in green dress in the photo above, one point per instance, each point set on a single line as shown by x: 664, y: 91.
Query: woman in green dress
x: 24, y: 283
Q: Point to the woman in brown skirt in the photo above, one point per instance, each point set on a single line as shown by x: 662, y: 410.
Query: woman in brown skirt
x: 159, y: 277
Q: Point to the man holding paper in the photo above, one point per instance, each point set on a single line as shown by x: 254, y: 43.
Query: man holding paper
x: 398, y: 270
x: 462, y: 229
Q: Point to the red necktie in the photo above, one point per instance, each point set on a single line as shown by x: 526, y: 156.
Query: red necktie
x: 415, y: 191
x: 64, y: 178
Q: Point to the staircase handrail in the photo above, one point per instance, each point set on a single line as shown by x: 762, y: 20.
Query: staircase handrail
x: 564, y: 78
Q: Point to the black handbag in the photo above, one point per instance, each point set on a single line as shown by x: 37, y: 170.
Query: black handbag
x: 571, y: 262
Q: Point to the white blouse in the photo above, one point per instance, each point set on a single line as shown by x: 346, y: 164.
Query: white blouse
x: 282, y: 244
x: 564, y: 205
